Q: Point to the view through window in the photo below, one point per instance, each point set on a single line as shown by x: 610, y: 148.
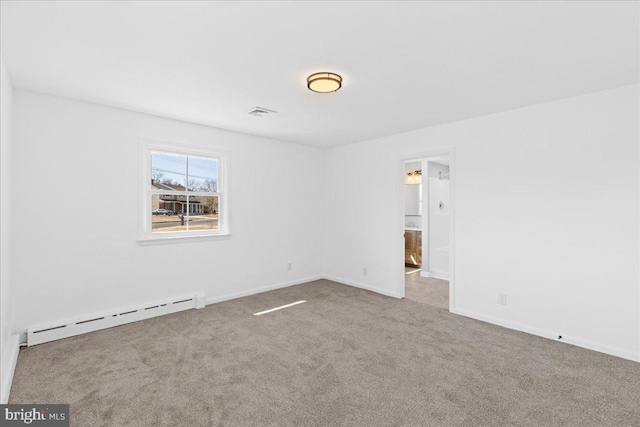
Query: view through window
x: 184, y: 193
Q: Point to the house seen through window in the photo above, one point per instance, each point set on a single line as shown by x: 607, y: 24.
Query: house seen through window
x: 185, y: 193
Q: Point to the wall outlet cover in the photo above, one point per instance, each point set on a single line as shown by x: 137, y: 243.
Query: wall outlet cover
x: 502, y: 299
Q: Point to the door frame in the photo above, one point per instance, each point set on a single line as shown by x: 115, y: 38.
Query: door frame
x: 399, y: 183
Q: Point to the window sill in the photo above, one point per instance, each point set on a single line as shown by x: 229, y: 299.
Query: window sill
x: 166, y: 240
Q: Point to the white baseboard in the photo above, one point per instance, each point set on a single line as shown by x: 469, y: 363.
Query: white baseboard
x: 116, y: 317
x: 63, y: 329
x: 13, y: 347
x: 579, y: 342
x: 214, y: 300
x: 444, y: 275
x: 10, y: 359
x: 362, y: 286
x: 500, y: 322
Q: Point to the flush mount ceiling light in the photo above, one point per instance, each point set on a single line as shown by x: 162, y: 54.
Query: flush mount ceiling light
x: 324, y: 82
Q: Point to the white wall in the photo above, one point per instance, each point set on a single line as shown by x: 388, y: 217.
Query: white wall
x: 546, y: 211
x: 6, y: 103
x: 439, y: 221
x: 412, y: 221
x: 75, y: 213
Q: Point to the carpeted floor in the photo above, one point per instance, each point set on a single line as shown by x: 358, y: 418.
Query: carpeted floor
x: 426, y: 290
x: 346, y: 357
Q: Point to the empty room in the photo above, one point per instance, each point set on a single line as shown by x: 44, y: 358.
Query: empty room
x: 343, y: 213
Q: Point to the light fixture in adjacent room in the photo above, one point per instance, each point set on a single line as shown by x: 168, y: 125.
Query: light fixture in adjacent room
x: 414, y: 177
x: 324, y: 82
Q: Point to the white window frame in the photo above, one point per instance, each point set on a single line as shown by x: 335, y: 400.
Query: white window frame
x: 146, y: 237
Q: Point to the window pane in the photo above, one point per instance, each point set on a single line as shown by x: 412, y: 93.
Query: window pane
x: 168, y: 172
x: 203, y: 213
x: 165, y: 215
x: 203, y: 174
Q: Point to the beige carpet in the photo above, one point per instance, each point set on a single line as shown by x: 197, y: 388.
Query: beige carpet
x: 426, y: 290
x: 347, y: 357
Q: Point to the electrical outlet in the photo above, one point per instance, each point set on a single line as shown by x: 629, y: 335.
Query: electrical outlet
x: 364, y: 271
x: 290, y: 266
x: 502, y: 299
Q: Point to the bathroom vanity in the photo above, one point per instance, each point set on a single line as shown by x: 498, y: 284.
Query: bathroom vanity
x: 413, y: 247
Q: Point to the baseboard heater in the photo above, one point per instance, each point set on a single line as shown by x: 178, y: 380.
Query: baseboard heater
x: 65, y: 329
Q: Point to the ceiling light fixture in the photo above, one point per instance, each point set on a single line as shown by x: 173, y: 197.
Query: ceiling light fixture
x: 324, y: 82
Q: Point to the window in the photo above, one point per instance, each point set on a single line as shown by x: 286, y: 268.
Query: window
x: 184, y: 194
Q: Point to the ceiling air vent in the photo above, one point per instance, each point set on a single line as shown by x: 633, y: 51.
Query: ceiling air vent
x: 260, y: 112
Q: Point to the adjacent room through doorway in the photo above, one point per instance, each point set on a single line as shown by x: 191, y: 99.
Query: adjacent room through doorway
x: 427, y: 230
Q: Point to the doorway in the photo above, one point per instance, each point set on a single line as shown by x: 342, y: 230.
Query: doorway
x: 428, y: 224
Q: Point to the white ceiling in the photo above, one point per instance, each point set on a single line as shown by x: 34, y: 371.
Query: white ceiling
x: 405, y: 65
